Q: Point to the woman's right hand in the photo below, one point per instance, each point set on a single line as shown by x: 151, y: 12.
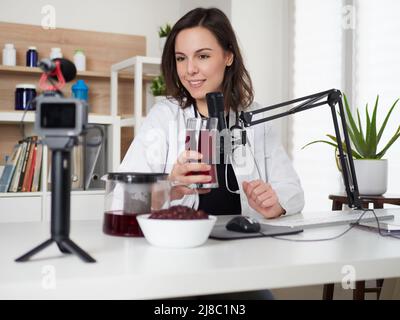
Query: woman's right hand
x: 182, y: 177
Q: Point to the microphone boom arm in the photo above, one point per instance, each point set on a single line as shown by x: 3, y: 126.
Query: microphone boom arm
x: 333, y: 98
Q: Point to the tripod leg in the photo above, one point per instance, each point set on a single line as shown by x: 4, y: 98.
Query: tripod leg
x: 71, y: 246
x: 63, y: 249
x: 35, y: 250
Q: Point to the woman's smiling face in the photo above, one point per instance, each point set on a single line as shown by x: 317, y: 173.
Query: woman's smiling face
x: 200, y: 61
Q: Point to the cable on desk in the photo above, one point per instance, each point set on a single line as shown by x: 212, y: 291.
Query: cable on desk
x: 342, y: 233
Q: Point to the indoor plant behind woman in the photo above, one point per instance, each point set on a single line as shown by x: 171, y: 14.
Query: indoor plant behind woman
x: 371, y: 168
x: 158, y: 88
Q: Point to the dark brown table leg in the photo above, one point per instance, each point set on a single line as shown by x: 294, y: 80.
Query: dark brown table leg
x: 328, y: 291
x: 337, y: 205
x: 358, y: 292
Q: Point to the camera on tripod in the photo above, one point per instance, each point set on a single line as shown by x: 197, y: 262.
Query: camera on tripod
x: 57, y: 116
x: 60, y: 121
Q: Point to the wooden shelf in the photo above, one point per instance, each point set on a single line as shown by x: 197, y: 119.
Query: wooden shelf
x: 40, y: 194
x: 16, y: 116
x: 83, y: 74
x: 20, y: 194
x: 25, y: 70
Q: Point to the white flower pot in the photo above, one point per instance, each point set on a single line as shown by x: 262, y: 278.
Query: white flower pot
x: 158, y: 99
x: 372, y: 176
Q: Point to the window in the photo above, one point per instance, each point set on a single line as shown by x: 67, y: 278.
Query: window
x: 359, y: 57
x: 377, y: 70
x: 317, y: 66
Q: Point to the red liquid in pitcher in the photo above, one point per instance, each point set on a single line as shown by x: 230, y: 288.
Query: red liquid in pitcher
x: 118, y: 223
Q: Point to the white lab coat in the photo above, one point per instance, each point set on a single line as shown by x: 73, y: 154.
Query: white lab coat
x: 161, y: 139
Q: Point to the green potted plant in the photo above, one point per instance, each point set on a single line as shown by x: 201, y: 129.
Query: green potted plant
x: 163, y: 33
x: 371, y: 168
x: 158, y: 88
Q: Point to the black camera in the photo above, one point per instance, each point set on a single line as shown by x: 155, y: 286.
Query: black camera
x: 57, y: 116
x: 59, y: 121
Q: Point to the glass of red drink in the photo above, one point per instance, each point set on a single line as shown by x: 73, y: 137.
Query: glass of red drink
x: 201, y: 136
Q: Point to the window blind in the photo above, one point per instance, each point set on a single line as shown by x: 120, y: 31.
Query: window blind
x: 317, y: 66
x: 377, y: 71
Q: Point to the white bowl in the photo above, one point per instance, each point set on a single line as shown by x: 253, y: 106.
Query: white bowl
x: 173, y: 233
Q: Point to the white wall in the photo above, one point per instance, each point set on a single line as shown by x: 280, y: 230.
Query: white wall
x: 263, y: 36
x: 136, y: 17
x: 224, y: 5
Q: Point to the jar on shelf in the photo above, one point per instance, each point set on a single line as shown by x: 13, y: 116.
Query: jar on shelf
x: 80, y: 60
x: 24, y: 95
x: 9, y: 55
x: 55, y: 53
x: 32, y: 57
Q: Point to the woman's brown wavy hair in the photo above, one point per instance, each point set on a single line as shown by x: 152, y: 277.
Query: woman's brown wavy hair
x: 237, y: 87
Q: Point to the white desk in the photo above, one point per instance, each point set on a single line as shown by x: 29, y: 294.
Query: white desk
x: 129, y: 268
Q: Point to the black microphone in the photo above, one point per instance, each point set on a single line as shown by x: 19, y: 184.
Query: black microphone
x: 67, y: 68
x: 216, y: 108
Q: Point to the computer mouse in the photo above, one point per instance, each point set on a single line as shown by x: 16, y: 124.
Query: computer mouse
x: 243, y: 224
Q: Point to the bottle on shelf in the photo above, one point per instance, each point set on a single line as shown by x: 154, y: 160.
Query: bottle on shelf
x: 31, y: 57
x: 9, y: 55
x: 80, y: 90
x: 55, y: 53
x: 80, y: 60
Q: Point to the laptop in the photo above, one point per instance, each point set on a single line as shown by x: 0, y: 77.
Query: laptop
x: 327, y: 219
x: 386, y: 227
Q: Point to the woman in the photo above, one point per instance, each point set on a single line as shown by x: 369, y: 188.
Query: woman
x: 201, y: 55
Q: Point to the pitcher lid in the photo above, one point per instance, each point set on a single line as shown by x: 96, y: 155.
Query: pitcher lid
x: 136, y: 177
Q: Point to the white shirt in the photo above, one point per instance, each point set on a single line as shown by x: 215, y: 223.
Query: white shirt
x: 161, y: 139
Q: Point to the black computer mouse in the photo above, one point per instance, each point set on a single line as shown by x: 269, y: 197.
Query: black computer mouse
x: 243, y: 224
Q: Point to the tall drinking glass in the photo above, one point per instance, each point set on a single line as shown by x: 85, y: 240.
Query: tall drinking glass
x: 201, y: 136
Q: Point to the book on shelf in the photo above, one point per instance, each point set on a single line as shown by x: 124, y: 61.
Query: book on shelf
x: 17, y: 173
x: 38, y: 168
x: 28, y: 175
x: 24, y: 163
x: 21, y: 167
x: 9, y: 169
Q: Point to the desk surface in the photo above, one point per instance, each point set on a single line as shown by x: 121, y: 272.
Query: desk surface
x: 129, y: 268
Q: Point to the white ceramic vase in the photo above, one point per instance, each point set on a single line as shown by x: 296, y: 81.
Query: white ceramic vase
x: 372, y: 176
x: 158, y: 99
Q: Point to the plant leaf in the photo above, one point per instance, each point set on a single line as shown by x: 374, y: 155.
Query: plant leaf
x: 368, y: 128
x: 371, y: 139
x: 355, y: 144
x: 354, y: 153
x: 384, y: 122
x: 316, y: 141
x: 356, y: 137
x: 359, y: 123
x: 388, y: 145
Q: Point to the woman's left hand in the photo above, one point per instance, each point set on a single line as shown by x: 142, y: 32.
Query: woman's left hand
x: 263, y: 198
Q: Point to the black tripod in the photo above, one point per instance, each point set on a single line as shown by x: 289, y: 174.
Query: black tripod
x: 60, y: 207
